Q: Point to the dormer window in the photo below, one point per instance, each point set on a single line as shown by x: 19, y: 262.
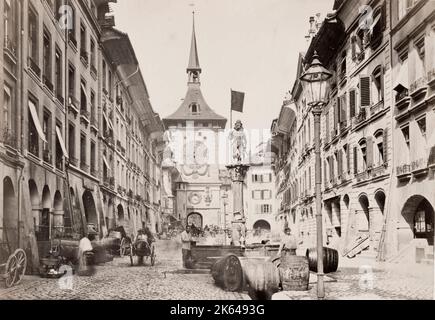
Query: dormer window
x: 195, y: 109
x: 195, y: 76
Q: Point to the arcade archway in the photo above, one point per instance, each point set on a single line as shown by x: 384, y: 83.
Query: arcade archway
x: 262, y: 225
x: 195, y: 218
x: 10, y: 215
x: 90, y: 209
x: 419, y: 214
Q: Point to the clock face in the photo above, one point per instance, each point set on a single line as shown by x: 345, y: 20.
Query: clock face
x: 195, y: 198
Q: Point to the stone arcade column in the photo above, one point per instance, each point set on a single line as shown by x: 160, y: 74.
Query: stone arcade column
x: 238, y: 174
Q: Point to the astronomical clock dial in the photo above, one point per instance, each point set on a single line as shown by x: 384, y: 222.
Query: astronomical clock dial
x: 201, y: 154
x: 196, y: 161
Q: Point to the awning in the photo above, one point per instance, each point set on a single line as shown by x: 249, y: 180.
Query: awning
x: 7, y: 90
x: 106, y: 163
x: 61, y: 142
x: 36, y: 122
x: 109, y: 123
x: 402, y: 77
x: 85, y: 93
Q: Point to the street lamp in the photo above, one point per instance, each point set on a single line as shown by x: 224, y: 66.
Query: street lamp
x: 315, y: 82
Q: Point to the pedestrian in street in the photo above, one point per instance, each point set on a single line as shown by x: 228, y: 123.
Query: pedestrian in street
x: 186, y: 239
x: 86, y: 255
x: 289, y: 243
x: 285, y: 223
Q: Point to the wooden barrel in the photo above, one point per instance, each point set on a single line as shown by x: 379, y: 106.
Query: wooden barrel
x: 227, y: 272
x: 261, y: 278
x: 294, y: 273
x: 256, y: 275
x: 330, y: 260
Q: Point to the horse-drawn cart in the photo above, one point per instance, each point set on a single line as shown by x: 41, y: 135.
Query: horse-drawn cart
x: 13, y: 263
x: 142, y: 249
x: 118, y: 242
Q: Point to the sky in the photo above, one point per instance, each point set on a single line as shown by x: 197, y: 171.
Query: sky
x: 245, y: 45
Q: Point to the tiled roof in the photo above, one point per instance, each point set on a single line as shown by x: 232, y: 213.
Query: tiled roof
x: 194, y: 95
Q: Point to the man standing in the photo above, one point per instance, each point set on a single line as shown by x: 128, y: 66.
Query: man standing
x: 186, y: 252
x: 289, y: 243
x: 86, y: 254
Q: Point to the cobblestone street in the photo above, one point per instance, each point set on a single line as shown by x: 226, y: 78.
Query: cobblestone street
x: 360, y: 279
x: 117, y: 280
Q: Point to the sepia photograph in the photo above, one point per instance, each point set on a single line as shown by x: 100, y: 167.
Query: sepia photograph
x: 233, y: 151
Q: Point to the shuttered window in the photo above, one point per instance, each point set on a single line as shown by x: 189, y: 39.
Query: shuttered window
x: 336, y: 113
x: 340, y: 163
x: 352, y: 103
x: 385, y: 145
x: 355, y: 160
x: 343, y: 110
x: 369, y: 152
x: 364, y: 87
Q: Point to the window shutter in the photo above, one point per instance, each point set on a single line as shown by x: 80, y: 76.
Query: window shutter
x: 327, y: 127
x: 352, y: 103
x: 353, y: 42
x: 343, y: 113
x: 325, y: 168
x: 253, y: 194
x: 340, y: 163
x: 364, y: 87
x: 382, y: 83
x: 336, y: 113
x: 348, y: 158
x: 332, y: 168
x: 369, y: 152
x: 384, y: 16
x: 385, y: 145
x: 355, y: 160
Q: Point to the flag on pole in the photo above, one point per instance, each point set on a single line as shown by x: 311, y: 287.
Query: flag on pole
x: 237, y: 100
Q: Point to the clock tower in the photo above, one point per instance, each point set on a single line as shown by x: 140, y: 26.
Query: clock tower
x: 203, y: 187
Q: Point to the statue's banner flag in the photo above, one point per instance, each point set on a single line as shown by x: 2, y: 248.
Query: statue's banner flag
x: 237, y: 100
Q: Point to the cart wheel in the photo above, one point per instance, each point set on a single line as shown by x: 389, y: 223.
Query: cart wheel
x: 153, y: 257
x: 21, y: 264
x: 11, y: 271
x: 131, y: 255
x: 122, y: 248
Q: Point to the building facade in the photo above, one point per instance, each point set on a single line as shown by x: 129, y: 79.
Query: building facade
x: 193, y: 132
x: 260, y: 205
x: 374, y: 174
x: 63, y: 87
x: 411, y: 221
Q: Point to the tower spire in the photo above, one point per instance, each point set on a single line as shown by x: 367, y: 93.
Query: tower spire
x: 193, y: 57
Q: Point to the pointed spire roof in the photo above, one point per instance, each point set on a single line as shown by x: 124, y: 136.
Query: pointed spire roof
x: 193, y: 57
x: 194, y: 96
